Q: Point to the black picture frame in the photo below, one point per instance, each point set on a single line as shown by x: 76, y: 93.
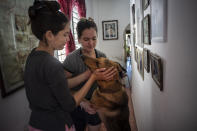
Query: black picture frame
x: 145, y: 4
x: 146, y: 30
x: 140, y: 62
x: 110, y: 30
x: 156, y: 70
x: 147, y: 60
x: 133, y: 13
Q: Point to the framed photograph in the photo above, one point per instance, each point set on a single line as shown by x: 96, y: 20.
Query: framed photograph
x: 139, y: 27
x: 146, y: 30
x: 135, y: 53
x: 145, y: 4
x: 133, y: 13
x: 140, y: 63
x: 156, y: 70
x: 110, y: 30
x: 159, y: 20
x: 14, y: 49
x: 134, y: 36
x: 147, y: 60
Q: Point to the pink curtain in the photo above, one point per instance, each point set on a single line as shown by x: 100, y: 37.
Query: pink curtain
x: 81, y: 7
x: 66, y: 7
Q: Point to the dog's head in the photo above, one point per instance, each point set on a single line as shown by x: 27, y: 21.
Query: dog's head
x: 101, y: 62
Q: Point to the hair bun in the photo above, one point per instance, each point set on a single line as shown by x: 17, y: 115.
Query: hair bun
x: 43, y: 7
x: 54, y: 6
x: 90, y: 19
x: 86, y: 19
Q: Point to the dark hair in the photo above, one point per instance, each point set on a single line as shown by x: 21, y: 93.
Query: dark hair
x: 44, y: 16
x: 85, y: 24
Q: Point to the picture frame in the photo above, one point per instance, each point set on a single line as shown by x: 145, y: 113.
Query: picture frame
x: 110, y: 30
x: 146, y: 30
x: 156, y: 70
x: 133, y: 13
x: 147, y: 60
x: 134, y: 36
x: 138, y: 27
x: 145, y: 4
x: 140, y: 63
x: 159, y: 20
x: 135, y: 53
x: 14, y: 50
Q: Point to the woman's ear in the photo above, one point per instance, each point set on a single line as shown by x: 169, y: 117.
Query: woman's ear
x: 49, y: 35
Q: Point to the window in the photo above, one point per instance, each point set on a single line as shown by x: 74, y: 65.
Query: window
x: 74, y: 20
x: 61, y: 54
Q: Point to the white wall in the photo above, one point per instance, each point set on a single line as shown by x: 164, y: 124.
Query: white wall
x: 102, y: 10
x: 175, y: 108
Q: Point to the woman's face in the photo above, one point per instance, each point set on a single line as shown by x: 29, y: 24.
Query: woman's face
x: 61, y: 38
x: 88, y: 39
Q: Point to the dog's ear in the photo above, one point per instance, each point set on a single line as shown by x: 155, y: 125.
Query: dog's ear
x: 122, y: 71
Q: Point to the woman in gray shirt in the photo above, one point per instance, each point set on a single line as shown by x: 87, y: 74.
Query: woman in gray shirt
x: 87, y: 37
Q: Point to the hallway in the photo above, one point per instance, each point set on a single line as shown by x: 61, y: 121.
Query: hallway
x: 129, y: 93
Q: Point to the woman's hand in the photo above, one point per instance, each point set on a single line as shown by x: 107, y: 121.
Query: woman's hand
x: 87, y: 106
x: 105, y: 74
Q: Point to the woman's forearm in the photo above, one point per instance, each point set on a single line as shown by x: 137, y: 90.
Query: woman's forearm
x: 79, y: 95
x: 74, y: 81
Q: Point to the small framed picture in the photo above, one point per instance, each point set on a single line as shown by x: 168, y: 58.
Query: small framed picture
x: 147, y: 59
x: 140, y: 63
x: 133, y: 13
x: 110, y: 30
x: 146, y: 30
x: 156, y: 70
x: 134, y: 36
x: 145, y: 4
x: 135, y: 53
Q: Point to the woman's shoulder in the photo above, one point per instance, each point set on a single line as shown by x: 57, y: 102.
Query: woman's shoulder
x: 75, y: 53
x: 72, y: 59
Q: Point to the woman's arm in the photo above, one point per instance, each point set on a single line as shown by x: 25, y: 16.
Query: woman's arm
x: 74, y: 81
x: 99, y: 74
x: 68, y: 74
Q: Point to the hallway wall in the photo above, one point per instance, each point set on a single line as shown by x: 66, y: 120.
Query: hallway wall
x: 174, y: 108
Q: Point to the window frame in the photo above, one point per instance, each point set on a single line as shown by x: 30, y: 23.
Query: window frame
x: 61, y: 54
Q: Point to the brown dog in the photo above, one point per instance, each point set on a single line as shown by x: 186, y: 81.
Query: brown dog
x: 110, y: 99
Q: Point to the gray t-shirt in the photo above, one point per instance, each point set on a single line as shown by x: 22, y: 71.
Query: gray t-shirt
x: 47, y: 91
x: 74, y: 64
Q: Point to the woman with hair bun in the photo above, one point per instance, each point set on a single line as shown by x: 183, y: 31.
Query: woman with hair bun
x: 46, y: 85
x: 84, y: 115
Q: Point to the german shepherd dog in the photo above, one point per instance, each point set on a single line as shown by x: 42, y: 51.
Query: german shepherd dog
x: 110, y: 99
